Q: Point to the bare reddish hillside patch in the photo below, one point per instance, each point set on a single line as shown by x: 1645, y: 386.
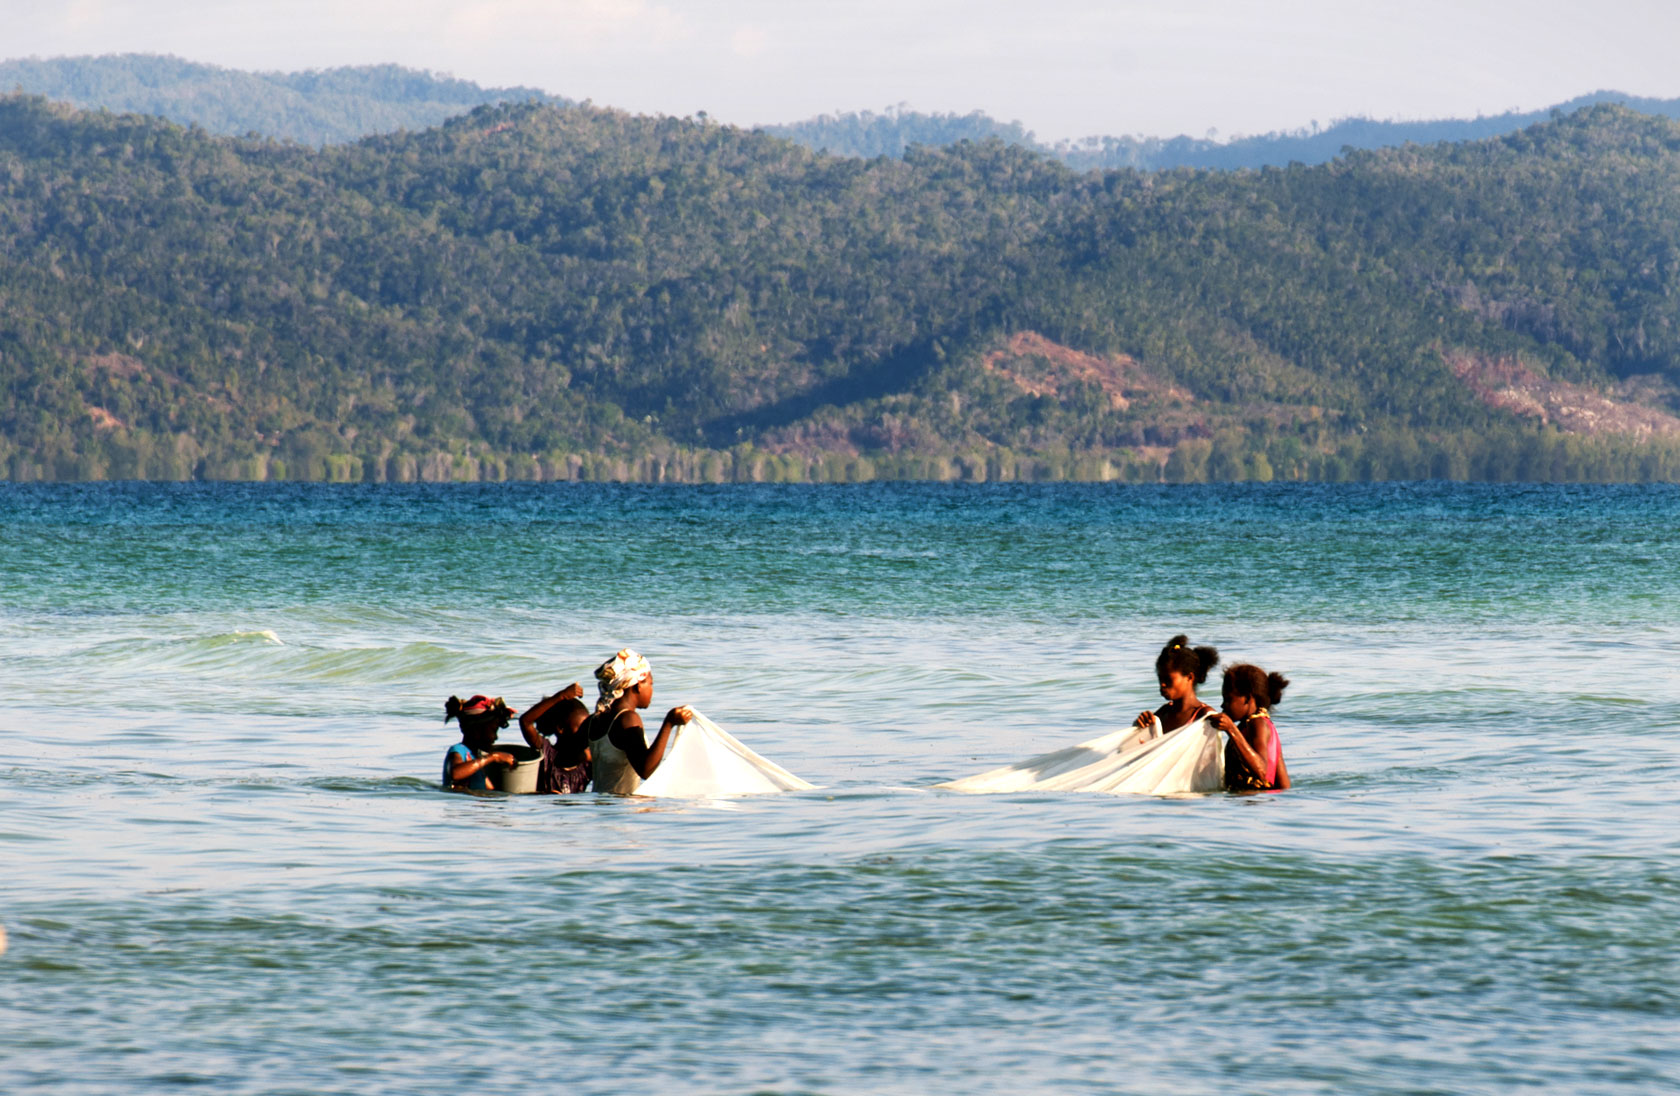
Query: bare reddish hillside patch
x: 1038, y: 366
x: 1508, y: 384
x: 104, y: 420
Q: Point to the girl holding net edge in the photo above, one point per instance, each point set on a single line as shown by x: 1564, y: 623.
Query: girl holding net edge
x: 623, y: 757
x: 1179, y: 668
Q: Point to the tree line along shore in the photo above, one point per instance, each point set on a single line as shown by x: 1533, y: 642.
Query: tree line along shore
x: 1515, y: 455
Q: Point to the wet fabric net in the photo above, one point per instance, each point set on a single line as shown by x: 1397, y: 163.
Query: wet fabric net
x: 1127, y: 762
x: 705, y: 760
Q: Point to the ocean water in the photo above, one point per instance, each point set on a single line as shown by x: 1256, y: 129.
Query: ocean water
x: 227, y: 865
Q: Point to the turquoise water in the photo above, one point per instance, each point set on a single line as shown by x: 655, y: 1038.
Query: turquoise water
x: 227, y: 865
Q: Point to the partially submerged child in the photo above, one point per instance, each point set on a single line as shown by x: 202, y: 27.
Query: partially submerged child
x: 623, y: 757
x: 1253, y: 754
x: 468, y: 766
x: 566, y: 760
x: 1179, y: 668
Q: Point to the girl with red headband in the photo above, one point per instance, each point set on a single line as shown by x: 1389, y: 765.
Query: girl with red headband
x: 465, y: 765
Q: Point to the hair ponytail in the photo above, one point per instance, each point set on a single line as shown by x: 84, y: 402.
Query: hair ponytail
x: 1181, y: 658
x: 1246, y: 679
x: 476, y: 708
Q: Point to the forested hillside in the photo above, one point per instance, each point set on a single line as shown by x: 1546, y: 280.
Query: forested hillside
x: 891, y: 132
x: 562, y: 293
x: 314, y: 107
x: 334, y: 106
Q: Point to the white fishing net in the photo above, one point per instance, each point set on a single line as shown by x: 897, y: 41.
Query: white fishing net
x: 1184, y: 761
x: 705, y: 760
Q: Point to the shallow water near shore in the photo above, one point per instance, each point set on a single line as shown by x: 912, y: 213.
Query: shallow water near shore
x: 228, y: 863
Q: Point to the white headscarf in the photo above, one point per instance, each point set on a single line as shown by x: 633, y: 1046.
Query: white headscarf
x: 618, y: 675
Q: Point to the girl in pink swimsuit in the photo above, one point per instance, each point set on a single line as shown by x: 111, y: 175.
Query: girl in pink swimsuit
x: 1253, y: 754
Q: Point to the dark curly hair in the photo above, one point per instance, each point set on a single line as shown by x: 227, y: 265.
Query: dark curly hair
x: 567, y: 715
x: 1245, y: 679
x: 1179, y: 657
x: 487, y: 710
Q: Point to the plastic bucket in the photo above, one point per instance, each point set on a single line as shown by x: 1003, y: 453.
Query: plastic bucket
x: 519, y: 778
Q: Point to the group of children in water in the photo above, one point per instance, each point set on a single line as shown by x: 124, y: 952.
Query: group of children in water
x: 607, y: 746
x: 577, y: 746
x: 1253, y: 753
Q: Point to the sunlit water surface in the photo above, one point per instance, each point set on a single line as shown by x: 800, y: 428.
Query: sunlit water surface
x: 227, y: 863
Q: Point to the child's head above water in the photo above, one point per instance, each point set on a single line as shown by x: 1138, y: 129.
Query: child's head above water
x: 564, y: 717
x: 480, y: 716
x: 1190, y: 663
x: 1249, y: 688
x: 622, y: 673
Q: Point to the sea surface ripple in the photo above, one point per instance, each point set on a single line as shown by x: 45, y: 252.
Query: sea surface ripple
x: 228, y: 864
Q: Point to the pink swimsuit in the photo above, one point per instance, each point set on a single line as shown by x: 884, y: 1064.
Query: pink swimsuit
x: 1238, y: 776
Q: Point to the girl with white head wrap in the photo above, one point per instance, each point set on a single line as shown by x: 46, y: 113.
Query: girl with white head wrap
x: 623, y: 758
x: 621, y: 672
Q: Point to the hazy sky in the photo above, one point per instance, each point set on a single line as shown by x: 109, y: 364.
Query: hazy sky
x: 1064, y: 68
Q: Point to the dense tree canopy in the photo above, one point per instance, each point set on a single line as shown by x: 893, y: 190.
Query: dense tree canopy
x: 893, y: 131
x: 335, y: 105
x: 539, y: 291
x: 316, y: 106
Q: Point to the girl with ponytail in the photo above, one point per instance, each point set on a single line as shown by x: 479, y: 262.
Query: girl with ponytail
x: 1179, y: 668
x: 465, y: 764
x: 1253, y: 754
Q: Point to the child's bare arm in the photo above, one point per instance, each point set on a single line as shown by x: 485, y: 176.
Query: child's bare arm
x: 1239, y: 738
x: 528, y: 721
x: 462, y: 771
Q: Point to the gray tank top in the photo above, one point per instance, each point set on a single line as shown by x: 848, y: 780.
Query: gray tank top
x: 614, y: 775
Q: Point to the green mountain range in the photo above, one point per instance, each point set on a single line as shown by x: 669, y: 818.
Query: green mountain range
x: 333, y: 106
x: 569, y: 292
x: 315, y: 107
x: 890, y: 132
